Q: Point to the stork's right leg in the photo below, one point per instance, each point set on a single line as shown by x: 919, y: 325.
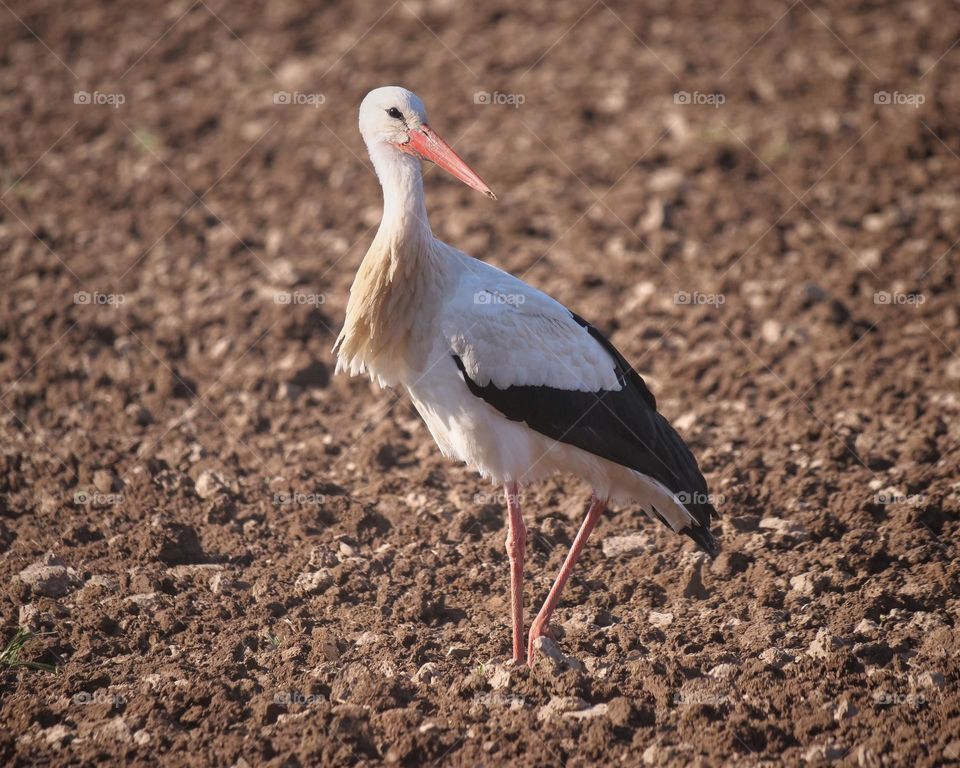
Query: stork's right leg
x: 516, y: 544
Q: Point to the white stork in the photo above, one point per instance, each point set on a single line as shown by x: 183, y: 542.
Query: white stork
x: 506, y: 378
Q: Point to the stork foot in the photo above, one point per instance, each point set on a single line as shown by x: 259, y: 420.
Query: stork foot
x: 538, y: 630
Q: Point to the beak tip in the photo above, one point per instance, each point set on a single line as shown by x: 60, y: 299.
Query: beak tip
x: 489, y: 193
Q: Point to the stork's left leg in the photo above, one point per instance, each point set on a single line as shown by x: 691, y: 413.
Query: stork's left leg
x: 516, y: 541
x: 542, y: 623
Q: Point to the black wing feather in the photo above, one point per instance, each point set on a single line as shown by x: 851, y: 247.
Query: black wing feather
x: 622, y: 426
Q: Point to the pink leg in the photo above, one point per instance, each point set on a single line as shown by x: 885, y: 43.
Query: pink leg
x: 541, y: 624
x: 516, y: 543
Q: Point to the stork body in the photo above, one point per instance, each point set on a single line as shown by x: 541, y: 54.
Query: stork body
x: 506, y: 378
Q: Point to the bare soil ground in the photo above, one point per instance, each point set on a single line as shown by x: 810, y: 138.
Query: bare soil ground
x: 242, y: 560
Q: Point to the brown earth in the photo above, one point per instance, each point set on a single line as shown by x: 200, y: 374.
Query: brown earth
x: 253, y: 562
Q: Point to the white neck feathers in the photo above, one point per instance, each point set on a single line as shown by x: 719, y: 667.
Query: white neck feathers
x: 396, y: 292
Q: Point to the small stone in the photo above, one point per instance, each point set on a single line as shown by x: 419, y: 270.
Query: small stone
x: 220, y: 583
x: 931, y: 680
x: 500, y: 677
x: 211, y: 484
x: 103, y: 481
x: 771, y: 331
x: 723, y: 671
x: 597, y: 710
x: 426, y: 674
x: 458, y: 652
x: 809, y: 583
x: 546, y: 648
x: 559, y: 705
x: 117, y: 729
x: 781, y: 527
x: 142, y: 737
x: 828, y: 752
x: 626, y: 545
x: 29, y: 617
x: 823, y: 644
x: 292, y: 653
x: 660, y: 619
x: 776, y: 657
x: 312, y: 583
x: 140, y: 415
x: 844, y: 710
x: 866, y: 627
x: 57, y: 734
x: 143, y: 598
x: 652, y: 755
x: 50, y: 576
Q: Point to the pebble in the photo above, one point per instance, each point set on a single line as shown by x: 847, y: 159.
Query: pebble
x: 771, y: 331
x: 500, y: 677
x: 809, y: 583
x: 142, y: 737
x: 783, y: 527
x: 458, y: 652
x: 426, y: 673
x: 545, y: 649
x: 211, y: 484
x: 311, y: 583
x: 823, y: 644
x: 829, y: 752
x: 656, y: 755
x: 866, y: 627
x: 627, y: 545
x: 57, y: 734
x: 776, y: 657
x: 560, y: 705
x: 660, y: 619
x: 103, y: 481
x: 931, y: 680
x: 597, y: 710
x: 29, y: 617
x: 117, y: 729
x: 723, y: 671
x: 50, y: 576
x: 844, y: 710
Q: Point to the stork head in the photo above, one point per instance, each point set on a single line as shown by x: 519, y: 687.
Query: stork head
x: 393, y: 117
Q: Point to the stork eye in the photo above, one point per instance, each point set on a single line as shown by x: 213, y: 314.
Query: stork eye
x: 395, y: 113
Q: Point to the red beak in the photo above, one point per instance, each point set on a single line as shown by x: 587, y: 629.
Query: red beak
x: 425, y: 143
